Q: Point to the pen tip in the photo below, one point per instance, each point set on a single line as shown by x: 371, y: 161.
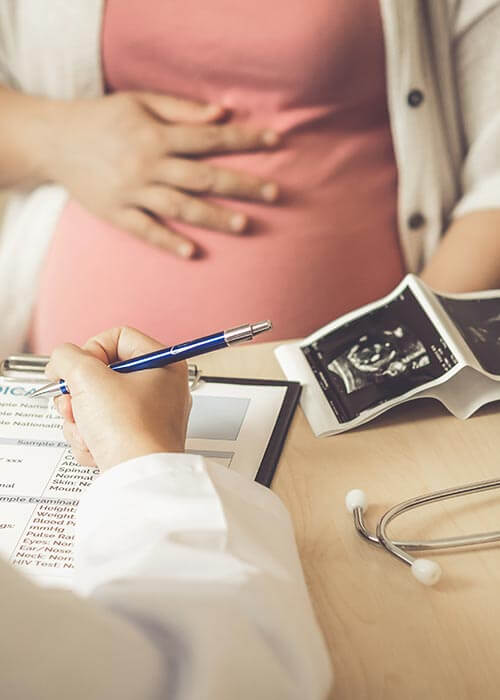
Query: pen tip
x: 36, y: 394
x: 261, y: 326
x: 47, y: 390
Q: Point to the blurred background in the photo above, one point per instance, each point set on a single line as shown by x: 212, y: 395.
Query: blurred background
x: 3, y: 199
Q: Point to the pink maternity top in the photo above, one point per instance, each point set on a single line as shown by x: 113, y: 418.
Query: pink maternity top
x: 314, y: 71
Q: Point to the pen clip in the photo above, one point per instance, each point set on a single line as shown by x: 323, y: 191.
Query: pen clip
x: 18, y: 367
x: 194, y: 375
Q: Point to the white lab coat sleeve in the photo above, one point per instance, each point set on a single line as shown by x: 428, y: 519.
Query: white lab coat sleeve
x: 204, y: 563
x: 477, y: 57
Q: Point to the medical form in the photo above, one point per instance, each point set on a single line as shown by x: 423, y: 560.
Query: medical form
x: 240, y: 425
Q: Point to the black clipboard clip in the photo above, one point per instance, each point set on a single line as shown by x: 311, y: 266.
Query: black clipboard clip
x: 26, y: 367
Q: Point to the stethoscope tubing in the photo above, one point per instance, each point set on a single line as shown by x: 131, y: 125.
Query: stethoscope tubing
x: 400, y: 548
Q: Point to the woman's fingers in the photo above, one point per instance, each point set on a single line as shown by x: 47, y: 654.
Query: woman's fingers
x: 205, y: 178
x: 113, y: 155
x: 168, y: 203
x: 227, y: 138
x: 145, y: 226
x: 175, y: 109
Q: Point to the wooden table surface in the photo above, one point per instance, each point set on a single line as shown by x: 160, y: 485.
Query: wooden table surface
x: 390, y: 636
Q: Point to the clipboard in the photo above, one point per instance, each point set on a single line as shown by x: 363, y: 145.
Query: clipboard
x: 270, y: 459
x: 28, y: 367
x: 238, y: 423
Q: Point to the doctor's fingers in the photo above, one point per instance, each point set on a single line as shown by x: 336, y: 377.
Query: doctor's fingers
x: 204, y: 178
x: 167, y: 203
x: 78, y: 446
x: 121, y: 343
x: 64, y: 407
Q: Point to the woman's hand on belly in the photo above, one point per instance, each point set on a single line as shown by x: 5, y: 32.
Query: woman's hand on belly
x: 133, y: 159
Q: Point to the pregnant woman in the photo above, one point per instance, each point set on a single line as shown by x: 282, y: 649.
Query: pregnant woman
x: 217, y: 163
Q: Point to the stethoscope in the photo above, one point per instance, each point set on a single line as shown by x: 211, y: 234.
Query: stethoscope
x: 426, y: 571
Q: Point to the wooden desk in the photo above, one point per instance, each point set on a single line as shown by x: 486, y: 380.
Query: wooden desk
x: 389, y: 636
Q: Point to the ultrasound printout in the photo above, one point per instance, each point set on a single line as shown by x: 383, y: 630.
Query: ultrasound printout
x: 385, y: 353
x: 478, y: 321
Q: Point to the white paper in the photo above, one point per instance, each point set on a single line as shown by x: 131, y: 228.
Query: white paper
x: 41, y: 483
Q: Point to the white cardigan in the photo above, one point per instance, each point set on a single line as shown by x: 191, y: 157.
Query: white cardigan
x: 447, y: 147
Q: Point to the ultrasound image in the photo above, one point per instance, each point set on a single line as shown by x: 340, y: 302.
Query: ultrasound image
x: 378, y: 356
x: 478, y: 320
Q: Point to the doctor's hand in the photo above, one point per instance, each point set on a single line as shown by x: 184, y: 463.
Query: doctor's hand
x: 111, y: 417
x: 135, y: 160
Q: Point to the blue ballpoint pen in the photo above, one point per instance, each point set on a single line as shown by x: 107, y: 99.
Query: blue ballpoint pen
x: 176, y: 353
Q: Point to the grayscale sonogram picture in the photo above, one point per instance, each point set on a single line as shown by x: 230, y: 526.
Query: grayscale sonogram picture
x: 381, y: 354
x: 478, y: 320
x: 376, y: 357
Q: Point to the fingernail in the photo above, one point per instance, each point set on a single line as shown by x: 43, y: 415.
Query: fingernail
x: 212, y: 111
x: 186, y: 250
x: 269, y: 191
x: 238, y: 223
x: 270, y: 138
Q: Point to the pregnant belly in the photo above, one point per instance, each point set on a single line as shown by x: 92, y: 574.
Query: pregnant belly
x: 96, y: 277
x: 327, y: 247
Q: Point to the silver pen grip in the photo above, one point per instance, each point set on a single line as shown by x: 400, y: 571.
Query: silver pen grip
x: 246, y: 332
